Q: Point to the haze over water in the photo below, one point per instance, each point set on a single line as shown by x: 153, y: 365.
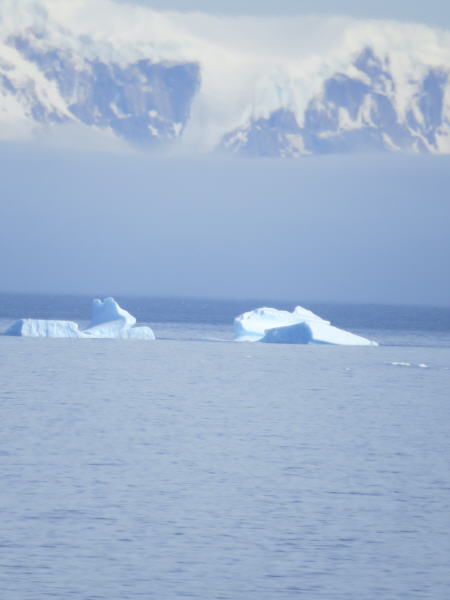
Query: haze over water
x: 367, y: 229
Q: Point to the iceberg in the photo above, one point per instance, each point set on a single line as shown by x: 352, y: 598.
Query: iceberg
x: 301, y: 326
x: 43, y: 328
x: 108, y: 320
x: 109, y: 311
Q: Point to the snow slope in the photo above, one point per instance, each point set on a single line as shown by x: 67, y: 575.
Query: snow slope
x: 240, y: 85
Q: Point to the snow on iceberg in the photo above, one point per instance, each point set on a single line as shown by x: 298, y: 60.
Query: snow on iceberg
x: 301, y: 326
x: 108, y: 320
x: 108, y: 311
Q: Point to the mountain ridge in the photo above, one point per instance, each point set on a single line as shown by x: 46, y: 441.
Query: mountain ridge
x: 157, y: 79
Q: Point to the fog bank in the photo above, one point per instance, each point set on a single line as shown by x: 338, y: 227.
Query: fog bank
x: 359, y: 229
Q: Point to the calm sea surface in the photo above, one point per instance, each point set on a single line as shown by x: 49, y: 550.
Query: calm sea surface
x: 193, y: 467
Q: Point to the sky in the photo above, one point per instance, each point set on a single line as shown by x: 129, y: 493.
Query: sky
x: 433, y: 12
x: 346, y: 229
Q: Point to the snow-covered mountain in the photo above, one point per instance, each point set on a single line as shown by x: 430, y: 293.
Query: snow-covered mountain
x: 354, y: 114
x: 246, y: 86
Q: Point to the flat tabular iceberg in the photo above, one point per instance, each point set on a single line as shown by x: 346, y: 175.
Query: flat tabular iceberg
x: 43, y: 328
x: 108, y: 320
x: 301, y: 326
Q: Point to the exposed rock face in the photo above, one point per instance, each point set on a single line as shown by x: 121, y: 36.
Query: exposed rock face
x: 353, y: 115
x: 154, y: 84
x: 142, y: 102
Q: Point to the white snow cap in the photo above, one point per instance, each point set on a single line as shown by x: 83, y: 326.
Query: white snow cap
x: 301, y: 326
x: 250, y: 66
x: 109, y: 320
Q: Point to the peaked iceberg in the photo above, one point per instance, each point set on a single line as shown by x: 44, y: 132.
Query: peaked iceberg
x: 109, y: 311
x: 301, y: 326
x: 108, y: 320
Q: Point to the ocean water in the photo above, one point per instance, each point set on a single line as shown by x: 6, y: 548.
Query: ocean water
x: 194, y: 467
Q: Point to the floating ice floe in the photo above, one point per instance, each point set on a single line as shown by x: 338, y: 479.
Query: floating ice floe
x: 108, y: 320
x: 301, y: 326
x: 407, y: 364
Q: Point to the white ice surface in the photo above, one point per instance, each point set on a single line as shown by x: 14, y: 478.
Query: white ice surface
x: 44, y: 328
x: 107, y: 311
x: 301, y: 326
x: 108, y: 320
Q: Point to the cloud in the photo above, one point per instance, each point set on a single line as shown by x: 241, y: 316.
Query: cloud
x: 77, y: 136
